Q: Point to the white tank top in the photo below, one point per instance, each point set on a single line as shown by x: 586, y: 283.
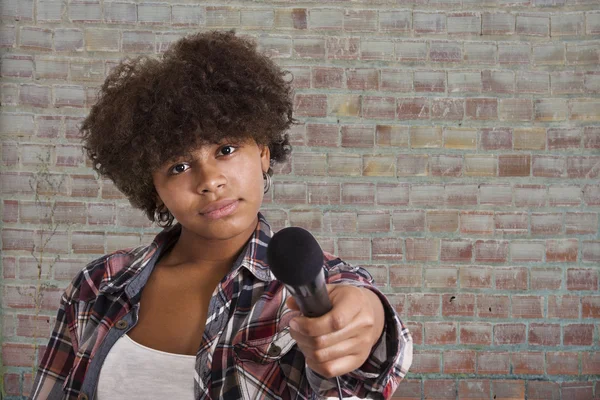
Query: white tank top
x: 132, y: 371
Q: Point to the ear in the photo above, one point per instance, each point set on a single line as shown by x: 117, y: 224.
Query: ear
x: 265, y: 157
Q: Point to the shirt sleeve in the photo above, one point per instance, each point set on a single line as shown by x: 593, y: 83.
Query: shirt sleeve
x: 59, y: 356
x: 390, y: 357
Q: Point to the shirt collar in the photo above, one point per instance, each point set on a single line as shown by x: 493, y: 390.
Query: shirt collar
x: 252, y: 257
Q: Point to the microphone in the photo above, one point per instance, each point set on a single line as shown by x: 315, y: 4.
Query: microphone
x: 296, y: 259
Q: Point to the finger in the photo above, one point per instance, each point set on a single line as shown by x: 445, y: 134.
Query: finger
x: 352, y: 346
x: 354, y: 328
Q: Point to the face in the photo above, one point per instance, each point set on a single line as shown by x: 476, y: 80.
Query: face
x: 217, y: 192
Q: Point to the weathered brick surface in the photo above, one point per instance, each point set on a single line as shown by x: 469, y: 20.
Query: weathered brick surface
x: 449, y: 146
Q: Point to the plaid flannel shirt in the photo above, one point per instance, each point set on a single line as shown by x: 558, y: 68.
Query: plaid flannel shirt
x: 246, y: 350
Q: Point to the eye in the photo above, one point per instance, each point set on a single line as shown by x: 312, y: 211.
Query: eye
x: 177, y: 169
x: 228, y: 149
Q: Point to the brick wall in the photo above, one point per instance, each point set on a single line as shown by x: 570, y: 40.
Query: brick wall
x: 450, y: 146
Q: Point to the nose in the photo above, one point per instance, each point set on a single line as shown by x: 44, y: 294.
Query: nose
x: 210, y: 178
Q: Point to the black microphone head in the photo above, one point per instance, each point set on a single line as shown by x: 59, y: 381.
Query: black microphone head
x: 294, y: 256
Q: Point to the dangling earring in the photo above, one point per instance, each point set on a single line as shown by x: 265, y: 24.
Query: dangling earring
x: 163, y: 217
x: 267, y: 182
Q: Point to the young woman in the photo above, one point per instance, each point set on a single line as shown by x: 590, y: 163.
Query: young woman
x: 197, y: 313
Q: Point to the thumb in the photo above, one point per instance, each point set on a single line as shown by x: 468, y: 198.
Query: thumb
x: 291, y: 304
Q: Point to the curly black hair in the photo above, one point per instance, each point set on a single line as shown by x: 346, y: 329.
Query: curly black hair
x: 206, y: 87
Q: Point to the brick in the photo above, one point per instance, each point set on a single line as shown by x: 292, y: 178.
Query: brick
x: 440, y: 333
x: 498, y: 81
x: 497, y: 23
x: 447, y: 109
x: 546, y: 223
x: 476, y: 165
x: 461, y: 194
x: 508, y: 389
x: 496, y: 139
x: 567, y: 24
x: 373, y: 49
x: 308, y: 48
x: 459, y: 361
x: 49, y: 11
x: 460, y: 138
x: 68, y: 39
x: 429, y: 23
x: 509, y: 334
x: 464, y: 23
x: 464, y: 82
x: 310, y: 105
x: 458, y: 250
x: 578, y: 335
x: 126, y: 13
x: 325, y: 19
x: 307, y: 219
x: 514, y: 53
x: 477, y: 222
x: 476, y: 278
x: 357, y: 136
x: 290, y: 192
x: 442, y: 220
x: 473, y: 389
x: 549, y: 54
x: 495, y: 194
x: 358, y: 193
x: 514, y: 165
x: 481, y: 108
x: 583, y: 53
x: 413, y: 108
x: 549, y: 166
x: 323, y: 77
x: 405, y: 276
x: 564, y: 195
x: 429, y: 81
x: 493, y: 363
x: 535, y: 82
x: 591, y: 194
x: 411, y: 51
x: 396, y: 80
x: 530, y: 195
x: 17, y: 10
x: 386, y: 249
x: 391, y: 136
x: 392, y: 194
x: 511, y: 278
x: 458, y: 305
x: 48, y: 126
x: 69, y: 96
x: 101, y: 39
x: 590, y: 363
x: 342, y: 48
x: 322, y: 135
x: 426, y: 361
x: 35, y: 95
x: 512, y: 223
x: 529, y: 139
x: 544, y: 334
x: 138, y: 41
x: 408, y: 220
x: 310, y: 164
x: 423, y: 304
x: 294, y: 18
x: 561, y: 250
x: 354, y: 248
x: 257, y: 19
x: 18, y: 354
x: 567, y: 82
x: 339, y: 222
x: 562, y: 363
x: 533, y: 24
x: 344, y: 105
x: 582, y: 279
x: 516, y: 109
x: 475, y: 333
x: 421, y: 249
x: 590, y: 306
x: 397, y: 21
x: 362, y: 79
x: 445, y: 165
x: 411, y: 389
x: 491, y: 251
x: 412, y: 165
x: 543, y: 390
x: 590, y: 251
x: 222, y: 17
x: 584, y: 109
x: 445, y: 51
x: 373, y: 221
x: 592, y: 26
x: 85, y: 11
x: 379, y: 107
x: 442, y: 277
x: 591, y: 137
x: 87, y: 71
x: 577, y: 390
x: 426, y: 194
x: 422, y: 137
x: 583, y: 167
x: 480, y: 52
x: 527, y: 363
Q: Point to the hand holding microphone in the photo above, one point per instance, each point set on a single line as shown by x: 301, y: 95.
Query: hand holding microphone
x: 340, y: 323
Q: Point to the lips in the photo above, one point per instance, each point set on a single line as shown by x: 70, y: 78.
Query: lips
x: 217, y: 205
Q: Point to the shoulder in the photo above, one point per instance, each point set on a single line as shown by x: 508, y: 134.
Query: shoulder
x: 107, y: 270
